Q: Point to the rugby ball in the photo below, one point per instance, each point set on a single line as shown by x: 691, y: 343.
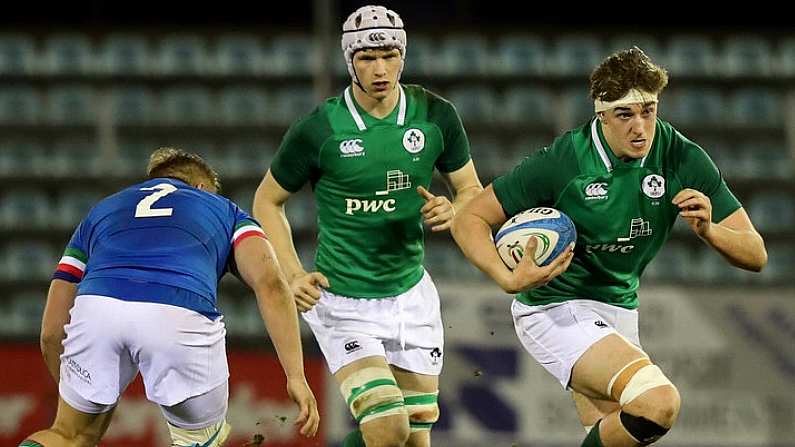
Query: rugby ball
x: 554, y: 230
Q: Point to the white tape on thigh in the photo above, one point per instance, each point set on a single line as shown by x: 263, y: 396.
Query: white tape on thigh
x: 646, y: 378
x: 212, y: 436
x: 618, y: 374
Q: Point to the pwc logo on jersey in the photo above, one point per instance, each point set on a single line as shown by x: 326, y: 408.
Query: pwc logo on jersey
x: 596, y: 191
x: 351, y: 148
x: 396, y: 180
x: 413, y: 140
x: 653, y: 186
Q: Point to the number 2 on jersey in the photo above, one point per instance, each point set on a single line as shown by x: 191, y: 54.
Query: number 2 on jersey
x: 144, y: 207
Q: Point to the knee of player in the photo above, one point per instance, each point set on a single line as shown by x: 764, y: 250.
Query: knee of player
x: 662, y: 405
x: 643, y: 390
x: 423, y: 409
x: 386, y: 435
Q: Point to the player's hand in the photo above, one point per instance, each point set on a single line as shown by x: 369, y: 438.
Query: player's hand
x: 527, y: 275
x: 437, y: 211
x: 696, y: 208
x: 306, y: 289
x: 308, y: 418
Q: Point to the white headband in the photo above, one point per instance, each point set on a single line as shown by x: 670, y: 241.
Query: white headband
x: 634, y: 96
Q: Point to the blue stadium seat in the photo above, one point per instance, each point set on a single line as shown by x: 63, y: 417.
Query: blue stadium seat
x: 673, y: 263
x: 20, y: 105
x: 290, y: 103
x: 576, y: 55
x: 301, y: 212
x: 17, y: 54
x: 125, y: 54
x: 423, y: 56
x: 133, y: 156
x: 693, y: 106
x: 772, y: 211
x: 463, y: 54
x: 25, y: 207
x: 30, y: 260
x: 187, y: 105
x: 766, y: 158
x: 239, y: 54
x: 22, y: 314
x: 757, y: 107
x: 528, y: 105
x: 747, y: 56
x: 68, y: 54
x: 243, y: 105
x: 134, y: 105
x: 290, y: 55
x: 20, y: 157
x: 786, y: 57
x: 488, y: 154
x: 183, y: 55
x: 245, y: 156
x: 691, y: 55
x: 73, y: 205
x: 577, y: 106
x: 519, y: 54
x: 475, y: 104
x: 72, y: 157
x: 71, y: 105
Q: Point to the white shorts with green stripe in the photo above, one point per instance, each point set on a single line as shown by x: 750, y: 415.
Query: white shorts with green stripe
x: 405, y: 329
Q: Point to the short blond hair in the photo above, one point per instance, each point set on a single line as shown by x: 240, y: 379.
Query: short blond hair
x: 181, y: 165
x: 626, y: 70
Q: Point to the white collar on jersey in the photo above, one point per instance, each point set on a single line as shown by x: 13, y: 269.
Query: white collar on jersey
x: 601, y: 149
x: 401, y: 118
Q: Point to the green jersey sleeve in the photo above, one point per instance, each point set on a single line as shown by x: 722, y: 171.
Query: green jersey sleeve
x: 696, y: 170
x: 529, y: 184
x: 296, y: 161
x: 456, y: 144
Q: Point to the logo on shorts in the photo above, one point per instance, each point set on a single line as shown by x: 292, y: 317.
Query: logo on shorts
x: 600, y: 323
x: 352, y: 346
x: 436, y: 354
x: 81, y: 372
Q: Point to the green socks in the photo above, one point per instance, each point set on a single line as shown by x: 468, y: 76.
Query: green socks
x: 354, y: 439
x: 593, y: 439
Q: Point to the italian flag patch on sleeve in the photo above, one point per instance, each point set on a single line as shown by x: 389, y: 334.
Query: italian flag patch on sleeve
x: 72, y: 265
x: 245, y: 229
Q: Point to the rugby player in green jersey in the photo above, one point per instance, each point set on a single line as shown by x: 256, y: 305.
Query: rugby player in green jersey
x: 624, y: 178
x: 369, y: 155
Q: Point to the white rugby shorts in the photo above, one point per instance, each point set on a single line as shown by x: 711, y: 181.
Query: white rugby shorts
x: 557, y: 334
x: 179, y: 352
x: 405, y: 329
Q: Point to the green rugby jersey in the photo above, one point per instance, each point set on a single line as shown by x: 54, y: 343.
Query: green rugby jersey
x: 622, y: 210
x: 364, y: 172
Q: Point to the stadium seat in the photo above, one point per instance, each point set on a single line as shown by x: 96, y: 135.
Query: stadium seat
x: 126, y: 54
x: 747, y: 56
x: 757, y: 107
x: 134, y: 105
x: 71, y: 105
x: 73, y: 158
x: 772, y: 211
x: 766, y: 158
x: 244, y: 156
x: 528, y: 105
x: 691, y: 55
x: 476, y: 104
x: 693, y: 106
x: 290, y: 55
x: 786, y: 57
x: 489, y: 155
x: 576, y: 106
x: 187, y: 105
x: 301, y: 212
x: 422, y: 56
x: 73, y: 205
x: 576, y: 55
x: 17, y: 54
x: 463, y: 55
x: 673, y: 263
x: 290, y: 103
x: 68, y: 54
x: 20, y: 105
x: 182, y: 55
x: 22, y: 157
x: 25, y: 207
x: 517, y: 55
x: 22, y: 313
x: 243, y: 105
x: 239, y: 54
x: 32, y: 260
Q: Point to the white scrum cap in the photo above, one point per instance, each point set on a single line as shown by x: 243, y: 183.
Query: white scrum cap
x: 372, y: 27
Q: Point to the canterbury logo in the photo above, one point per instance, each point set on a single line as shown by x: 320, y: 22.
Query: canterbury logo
x: 351, y: 146
x: 377, y: 36
x: 596, y: 190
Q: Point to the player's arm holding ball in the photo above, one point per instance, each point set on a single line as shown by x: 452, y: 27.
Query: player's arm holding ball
x: 471, y: 229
